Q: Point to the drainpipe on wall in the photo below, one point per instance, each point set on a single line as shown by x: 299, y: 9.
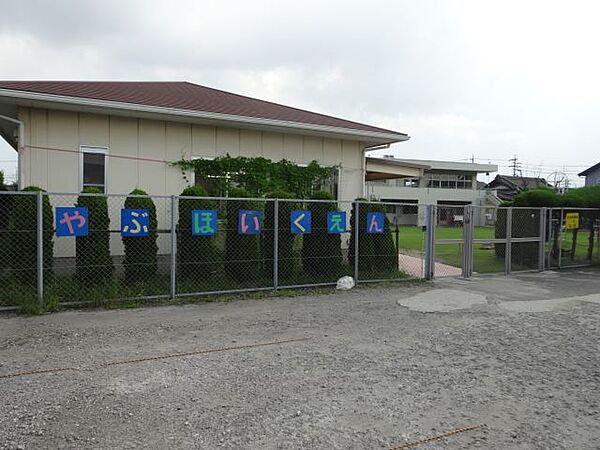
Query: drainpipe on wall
x: 20, y: 149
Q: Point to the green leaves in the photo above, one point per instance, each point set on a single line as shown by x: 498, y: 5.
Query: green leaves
x: 584, y: 197
x: 258, y: 176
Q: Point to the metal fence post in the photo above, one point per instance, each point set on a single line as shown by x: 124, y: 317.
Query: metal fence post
x: 40, y: 248
x: 428, y: 250
x: 560, y: 237
x: 173, y: 267
x: 356, y: 238
x: 508, y: 248
x: 542, y: 250
x: 275, y: 243
x: 467, y: 269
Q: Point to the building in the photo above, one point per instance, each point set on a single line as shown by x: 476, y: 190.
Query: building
x: 592, y: 175
x: 428, y: 182
x: 507, y: 186
x: 119, y: 136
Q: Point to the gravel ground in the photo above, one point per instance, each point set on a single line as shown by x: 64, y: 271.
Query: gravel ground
x: 380, y: 367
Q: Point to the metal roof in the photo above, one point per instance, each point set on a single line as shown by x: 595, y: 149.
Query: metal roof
x: 173, y: 97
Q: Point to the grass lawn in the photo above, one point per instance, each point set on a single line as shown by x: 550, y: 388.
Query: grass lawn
x: 484, y: 258
x: 581, y: 248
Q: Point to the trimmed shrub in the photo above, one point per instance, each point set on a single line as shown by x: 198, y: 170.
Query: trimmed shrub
x: 321, y: 251
x: 6, y: 208
x: 22, y: 237
x: 93, y: 260
x: 384, y: 247
x: 243, y: 257
x: 197, y: 256
x: 537, y: 198
x: 141, y: 252
x: 287, y: 254
x: 376, y: 252
x: 365, y: 244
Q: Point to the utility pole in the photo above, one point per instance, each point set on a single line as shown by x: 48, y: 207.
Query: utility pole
x: 515, y: 165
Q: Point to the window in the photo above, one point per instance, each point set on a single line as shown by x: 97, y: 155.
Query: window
x: 93, y: 167
x: 407, y: 182
x: 449, y: 181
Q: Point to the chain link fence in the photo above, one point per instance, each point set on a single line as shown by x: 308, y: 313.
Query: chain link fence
x: 573, y: 237
x: 91, y: 248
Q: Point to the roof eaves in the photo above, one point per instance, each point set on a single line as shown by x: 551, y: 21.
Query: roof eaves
x: 588, y: 170
x: 108, y: 104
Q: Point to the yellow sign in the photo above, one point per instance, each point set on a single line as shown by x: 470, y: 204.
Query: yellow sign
x: 572, y: 221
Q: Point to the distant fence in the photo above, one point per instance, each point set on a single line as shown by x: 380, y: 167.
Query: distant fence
x: 92, y: 247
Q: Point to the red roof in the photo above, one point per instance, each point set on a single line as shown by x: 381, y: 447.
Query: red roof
x: 184, y: 96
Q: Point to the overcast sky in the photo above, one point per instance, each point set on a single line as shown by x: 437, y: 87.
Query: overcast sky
x: 487, y: 79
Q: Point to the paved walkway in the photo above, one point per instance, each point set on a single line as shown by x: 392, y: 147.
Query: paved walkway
x: 413, y: 265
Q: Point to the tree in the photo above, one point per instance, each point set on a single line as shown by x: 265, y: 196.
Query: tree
x: 94, y: 263
x: 384, y: 247
x: 141, y: 252
x: 197, y: 256
x: 22, y: 237
x: 243, y: 257
x: 286, y: 254
x: 321, y: 251
x: 365, y: 243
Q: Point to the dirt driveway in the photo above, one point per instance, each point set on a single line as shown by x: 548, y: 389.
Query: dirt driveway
x: 369, y: 368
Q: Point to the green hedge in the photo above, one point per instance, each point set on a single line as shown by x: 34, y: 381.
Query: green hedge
x: 197, y: 256
x: 6, y: 208
x: 93, y: 259
x: 21, y: 244
x: 377, y: 252
x: 286, y: 254
x: 141, y: 252
x: 384, y: 247
x: 242, y: 252
x: 365, y: 246
x: 321, y: 251
x: 584, y: 197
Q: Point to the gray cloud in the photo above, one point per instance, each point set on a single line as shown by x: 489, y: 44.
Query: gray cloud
x: 461, y: 77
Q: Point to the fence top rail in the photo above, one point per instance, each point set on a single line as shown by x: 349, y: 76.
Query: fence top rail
x: 367, y: 202
x: 574, y: 208
x: 298, y: 200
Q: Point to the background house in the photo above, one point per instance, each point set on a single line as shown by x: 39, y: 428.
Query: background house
x: 592, y: 175
x: 447, y: 183
x: 118, y: 136
x: 507, y: 186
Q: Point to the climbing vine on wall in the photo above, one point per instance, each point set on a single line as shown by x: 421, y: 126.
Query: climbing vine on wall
x: 258, y: 176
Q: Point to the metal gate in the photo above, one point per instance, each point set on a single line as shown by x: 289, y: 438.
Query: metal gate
x: 477, y: 240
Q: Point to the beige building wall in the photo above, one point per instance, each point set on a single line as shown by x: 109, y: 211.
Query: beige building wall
x: 140, y: 150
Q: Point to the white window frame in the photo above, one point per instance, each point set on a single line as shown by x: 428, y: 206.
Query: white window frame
x: 97, y: 150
